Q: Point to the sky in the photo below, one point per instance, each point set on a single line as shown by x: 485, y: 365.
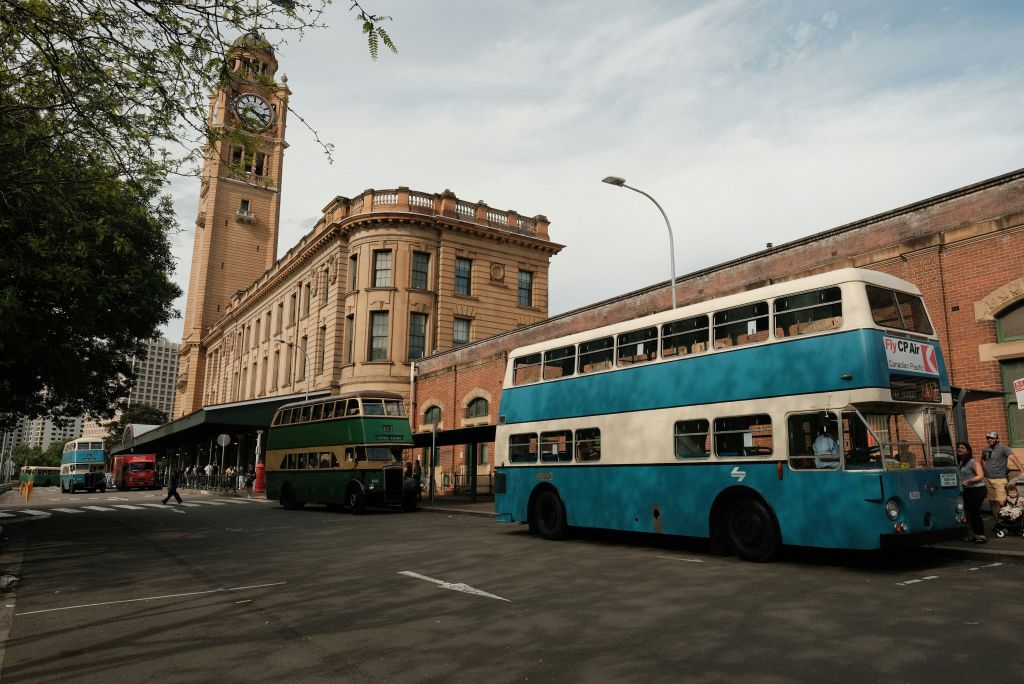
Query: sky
x: 750, y: 122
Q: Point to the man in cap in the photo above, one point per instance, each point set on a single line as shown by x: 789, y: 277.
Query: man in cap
x: 995, y: 459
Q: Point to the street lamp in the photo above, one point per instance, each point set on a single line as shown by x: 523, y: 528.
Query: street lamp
x: 278, y: 340
x: 621, y: 182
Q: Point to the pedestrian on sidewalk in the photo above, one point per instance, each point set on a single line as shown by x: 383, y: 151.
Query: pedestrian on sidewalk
x: 972, y: 480
x: 996, y: 458
x: 172, y: 486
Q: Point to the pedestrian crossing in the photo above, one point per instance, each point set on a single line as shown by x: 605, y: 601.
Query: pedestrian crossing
x: 13, y: 515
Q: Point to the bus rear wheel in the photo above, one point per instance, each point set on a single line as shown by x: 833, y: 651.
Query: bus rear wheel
x: 547, y: 516
x: 288, y: 500
x: 750, y: 531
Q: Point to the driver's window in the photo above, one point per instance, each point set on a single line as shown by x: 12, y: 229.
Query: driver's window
x: 814, y: 441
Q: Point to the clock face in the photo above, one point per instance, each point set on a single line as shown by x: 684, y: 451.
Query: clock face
x: 254, y: 112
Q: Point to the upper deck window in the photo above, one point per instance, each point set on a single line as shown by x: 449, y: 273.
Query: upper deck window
x: 596, y: 355
x: 526, y: 369
x: 808, y: 312
x: 893, y: 309
x: 687, y: 336
x: 741, y: 325
x: 638, y: 346
x: 559, y: 363
x: 373, y: 407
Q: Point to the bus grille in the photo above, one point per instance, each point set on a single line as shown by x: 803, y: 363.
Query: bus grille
x: 393, y: 480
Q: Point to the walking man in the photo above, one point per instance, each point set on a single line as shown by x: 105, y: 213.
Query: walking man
x: 172, y: 486
x: 995, y: 459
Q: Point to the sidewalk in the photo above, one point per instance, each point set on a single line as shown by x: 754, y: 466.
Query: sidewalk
x: 459, y: 505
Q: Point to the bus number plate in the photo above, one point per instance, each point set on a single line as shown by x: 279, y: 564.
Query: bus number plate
x: 545, y: 477
x: 947, y: 479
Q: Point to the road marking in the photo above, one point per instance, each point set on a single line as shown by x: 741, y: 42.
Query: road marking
x: 153, y: 505
x: 68, y: 510
x: 152, y: 598
x: 7, y: 515
x: 132, y: 508
x: 454, y: 586
x: 990, y: 565
x: 99, y: 508
x: 684, y: 560
x: 915, y: 581
x: 234, y: 501
x: 209, y: 503
x: 31, y: 511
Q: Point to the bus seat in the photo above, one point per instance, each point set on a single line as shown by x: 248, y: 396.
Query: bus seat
x: 697, y: 347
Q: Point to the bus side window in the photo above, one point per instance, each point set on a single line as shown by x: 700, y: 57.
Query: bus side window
x: 291, y: 462
x: 808, y: 312
x: 526, y: 369
x: 334, y: 460
x: 353, y: 407
x: 691, y: 438
x: 350, y: 454
x: 325, y: 459
x: 284, y: 463
x: 556, y: 446
x: 743, y: 436
x: 304, y: 416
x: 588, y: 444
x: 522, y: 448
x: 318, y: 412
x: 741, y: 325
x: 596, y: 355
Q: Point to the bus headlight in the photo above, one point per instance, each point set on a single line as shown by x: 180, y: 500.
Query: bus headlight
x: 892, y: 509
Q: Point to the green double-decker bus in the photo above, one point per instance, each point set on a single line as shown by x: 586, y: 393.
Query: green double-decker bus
x: 342, y: 451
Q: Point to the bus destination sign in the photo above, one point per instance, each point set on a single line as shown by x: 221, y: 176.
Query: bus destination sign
x: 909, y: 355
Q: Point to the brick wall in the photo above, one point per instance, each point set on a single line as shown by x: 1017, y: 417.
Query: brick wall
x: 958, y: 248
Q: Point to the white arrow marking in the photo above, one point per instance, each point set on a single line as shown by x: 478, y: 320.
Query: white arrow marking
x: 738, y: 474
x: 454, y: 586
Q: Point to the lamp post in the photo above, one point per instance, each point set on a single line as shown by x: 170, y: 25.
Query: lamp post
x: 278, y: 340
x: 621, y: 182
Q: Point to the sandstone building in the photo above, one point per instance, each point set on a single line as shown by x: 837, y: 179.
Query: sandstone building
x: 381, y: 280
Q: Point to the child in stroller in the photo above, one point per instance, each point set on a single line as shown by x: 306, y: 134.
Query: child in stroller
x: 1011, y: 515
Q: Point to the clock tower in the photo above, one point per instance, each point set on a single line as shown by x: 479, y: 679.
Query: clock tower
x: 239, y: 201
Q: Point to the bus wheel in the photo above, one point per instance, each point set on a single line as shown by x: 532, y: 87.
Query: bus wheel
x: 409, y: 501
x: 356, y: 500
x: 750, y: 531
x: 547, y: 516
x: 288, y: 500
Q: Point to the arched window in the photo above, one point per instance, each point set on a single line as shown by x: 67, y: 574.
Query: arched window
x: 1010, y: 323
x: 1009, y: 328
x: 478, y: 408
x: 432, y: 416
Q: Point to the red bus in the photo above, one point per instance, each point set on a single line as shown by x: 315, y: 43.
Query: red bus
x: 134, y: 470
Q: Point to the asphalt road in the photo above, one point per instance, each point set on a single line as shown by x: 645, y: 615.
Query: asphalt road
x: 244, y: 591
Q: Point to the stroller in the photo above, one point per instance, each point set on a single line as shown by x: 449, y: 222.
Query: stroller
x: 1011, y: 515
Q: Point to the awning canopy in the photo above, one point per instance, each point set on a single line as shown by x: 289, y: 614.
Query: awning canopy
x: 205, y: 424
x: 478, y: 434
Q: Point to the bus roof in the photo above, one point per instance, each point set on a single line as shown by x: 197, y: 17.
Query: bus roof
x: 358, y: 394
x: 820, y: 280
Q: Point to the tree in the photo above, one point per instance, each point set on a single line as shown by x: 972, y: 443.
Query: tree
x: 85, y: 267
x: 140, y: 414
x: 100, y: 100
x: 130, y: 79
x: 23, y: 454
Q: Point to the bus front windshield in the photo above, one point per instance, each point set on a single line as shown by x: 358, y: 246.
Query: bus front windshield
x: 904, y: 438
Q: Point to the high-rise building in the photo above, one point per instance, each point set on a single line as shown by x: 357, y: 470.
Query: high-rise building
x: 42, y: 432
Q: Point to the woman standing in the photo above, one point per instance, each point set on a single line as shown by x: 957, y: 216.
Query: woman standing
x: 972, y: 479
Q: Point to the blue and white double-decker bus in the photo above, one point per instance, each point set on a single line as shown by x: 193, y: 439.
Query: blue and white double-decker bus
x: 83, y: 466
x: 813, y: 412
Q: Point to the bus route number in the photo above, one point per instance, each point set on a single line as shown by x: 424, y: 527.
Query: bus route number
x: 545, y: 477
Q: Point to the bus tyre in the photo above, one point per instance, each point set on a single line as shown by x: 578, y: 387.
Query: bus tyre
x: 288, y: 500
x: 750, y: 531
x: 356, y: 500
x: 409, y: 501
x: 547, y: 516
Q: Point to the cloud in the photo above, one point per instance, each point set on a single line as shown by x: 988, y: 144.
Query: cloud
x: 751, y: 122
